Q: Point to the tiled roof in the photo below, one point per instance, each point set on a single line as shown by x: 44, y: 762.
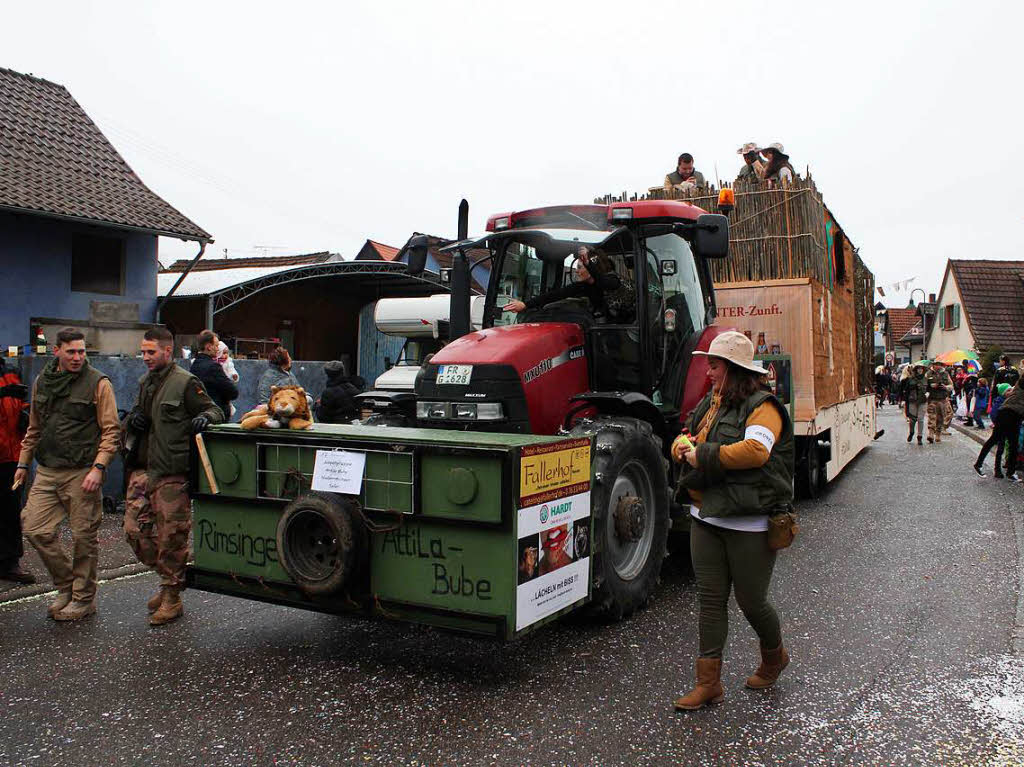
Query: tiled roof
x: 211, y: 264
x: 993, y: 301
x: 55, y: 161
x: 901, y: 321
x: 386, y: 252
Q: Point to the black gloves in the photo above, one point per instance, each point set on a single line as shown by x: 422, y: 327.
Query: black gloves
x: 199, y: 423
x: 137, y: 421
x: 16, y: 390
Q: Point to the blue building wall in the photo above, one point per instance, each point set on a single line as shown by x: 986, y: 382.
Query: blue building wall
x: 35, y: 274
x: 374, y: 347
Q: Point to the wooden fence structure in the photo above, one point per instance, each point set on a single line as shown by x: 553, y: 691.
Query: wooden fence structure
x: 785, y: 232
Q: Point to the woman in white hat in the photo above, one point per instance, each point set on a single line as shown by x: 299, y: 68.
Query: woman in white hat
x: 777, y: 170
x: 737, y: 474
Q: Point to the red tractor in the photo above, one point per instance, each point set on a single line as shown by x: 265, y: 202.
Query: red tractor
x: 625, y: 380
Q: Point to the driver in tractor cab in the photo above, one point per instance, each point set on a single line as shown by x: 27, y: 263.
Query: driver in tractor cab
x: 596, y: 280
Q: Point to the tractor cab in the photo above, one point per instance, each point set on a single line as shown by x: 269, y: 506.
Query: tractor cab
x: 529, y: 367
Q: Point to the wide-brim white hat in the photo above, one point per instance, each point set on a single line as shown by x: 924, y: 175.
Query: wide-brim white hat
x: 735, y: 348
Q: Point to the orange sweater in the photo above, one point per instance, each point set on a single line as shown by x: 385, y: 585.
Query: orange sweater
x: 749, y: 453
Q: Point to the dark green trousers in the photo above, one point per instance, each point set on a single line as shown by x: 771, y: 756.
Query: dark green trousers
x: 731, y: 560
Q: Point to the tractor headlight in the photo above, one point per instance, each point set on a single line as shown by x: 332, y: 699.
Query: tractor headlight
x: 459, y: 411
x: 489, y: 411
x: 432, y: 411
x: 464, y: 411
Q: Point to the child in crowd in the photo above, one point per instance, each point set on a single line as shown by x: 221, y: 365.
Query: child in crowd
x: 225, y: 361
x: 997, y: 399
x: 981, y: 402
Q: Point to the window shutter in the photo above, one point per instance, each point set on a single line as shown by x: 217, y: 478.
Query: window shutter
x: 956, y: 315
x: 942, y: 317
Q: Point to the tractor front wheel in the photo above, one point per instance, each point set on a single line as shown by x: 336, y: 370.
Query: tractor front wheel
x: 629, y: 501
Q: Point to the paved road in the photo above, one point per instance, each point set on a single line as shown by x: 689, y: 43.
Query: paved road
x: 899, y: 605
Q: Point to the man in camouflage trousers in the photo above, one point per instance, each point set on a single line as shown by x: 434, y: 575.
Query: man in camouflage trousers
x: 171, y: 406
x: 939, y: 386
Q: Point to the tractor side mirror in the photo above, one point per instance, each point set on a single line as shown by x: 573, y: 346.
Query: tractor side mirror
x: 416, y: 252
x: 711, y: 238
x: 667, y: 267
x: 446, y: 276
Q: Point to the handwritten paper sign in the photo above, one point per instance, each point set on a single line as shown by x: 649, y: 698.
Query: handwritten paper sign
x: 338, y: 471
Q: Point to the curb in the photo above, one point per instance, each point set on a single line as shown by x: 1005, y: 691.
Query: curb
x: 978, y: 435
x: 35, y: 589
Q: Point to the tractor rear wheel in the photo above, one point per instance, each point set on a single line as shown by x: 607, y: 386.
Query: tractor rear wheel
x: 629, y: 503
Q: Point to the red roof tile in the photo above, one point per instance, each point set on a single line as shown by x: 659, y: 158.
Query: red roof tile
x: 55, y: 161
x: 386, y: 252
x: 212, y: 264
x: 993, y: 301
x: 901, y: 321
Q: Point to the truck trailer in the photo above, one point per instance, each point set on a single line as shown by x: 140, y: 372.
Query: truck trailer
x: 796, y: 285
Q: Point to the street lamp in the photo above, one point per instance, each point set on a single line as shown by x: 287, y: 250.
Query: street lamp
x: 924, y: 320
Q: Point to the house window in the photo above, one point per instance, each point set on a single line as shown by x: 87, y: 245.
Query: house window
x: 97, y: 264
x: 949, y: 318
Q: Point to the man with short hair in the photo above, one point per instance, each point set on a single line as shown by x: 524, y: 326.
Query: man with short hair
x: 1005, y: 373
x: 171, y: 406
x: 210, y: 373
x: 684, y: 177
x: 72, y: 435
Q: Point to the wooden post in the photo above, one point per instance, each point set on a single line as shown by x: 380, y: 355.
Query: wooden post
x: 204, y: 459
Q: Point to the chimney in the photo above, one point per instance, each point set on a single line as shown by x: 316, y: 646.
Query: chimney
x: 931, y: 298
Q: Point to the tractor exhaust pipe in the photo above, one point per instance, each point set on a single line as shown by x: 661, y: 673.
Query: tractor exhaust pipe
x: 459, y: 315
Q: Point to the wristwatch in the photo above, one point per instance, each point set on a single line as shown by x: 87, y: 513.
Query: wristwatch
x: 100, y: 466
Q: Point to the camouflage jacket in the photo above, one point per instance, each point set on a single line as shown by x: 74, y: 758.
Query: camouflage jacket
x: 939, y: 384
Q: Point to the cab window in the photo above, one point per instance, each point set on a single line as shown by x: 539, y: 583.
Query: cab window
x: 682, y: 291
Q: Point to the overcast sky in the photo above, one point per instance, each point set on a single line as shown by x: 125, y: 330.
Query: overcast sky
x: 307, y: 127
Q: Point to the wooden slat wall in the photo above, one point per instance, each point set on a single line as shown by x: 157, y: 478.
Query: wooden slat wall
x: 783, y: 233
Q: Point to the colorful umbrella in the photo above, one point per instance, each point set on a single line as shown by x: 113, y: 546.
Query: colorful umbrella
x: 957, y: 356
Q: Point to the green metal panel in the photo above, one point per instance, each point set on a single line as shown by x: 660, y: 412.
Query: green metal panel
x: 446, y: 567
x: 286, y: 470
x: 234, y: 466
x: 462, y: 487
x: 237, y: 538
x: 390, y: 435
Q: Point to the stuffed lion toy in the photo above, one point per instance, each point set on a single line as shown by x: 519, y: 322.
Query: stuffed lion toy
x: 288, y: 409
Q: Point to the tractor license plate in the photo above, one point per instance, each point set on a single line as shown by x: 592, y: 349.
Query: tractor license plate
x: 454, y: 374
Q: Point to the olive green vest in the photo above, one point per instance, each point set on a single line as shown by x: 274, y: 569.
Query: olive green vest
x: 70, y: 430
x: 748, y: 491
x: 916, y: 388
x: 168, y: 441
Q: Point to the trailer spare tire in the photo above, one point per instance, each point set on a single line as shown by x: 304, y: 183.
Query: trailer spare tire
x: 316, y: 542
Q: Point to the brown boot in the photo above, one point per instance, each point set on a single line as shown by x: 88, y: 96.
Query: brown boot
x: 170, y: 608
x: 62, y: 600
x: 708, y: 689
x: 772, y: 663
x: 76, y: 611
x: 154, y: 601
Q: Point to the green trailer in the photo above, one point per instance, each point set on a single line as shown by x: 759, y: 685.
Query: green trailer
x: 482, y: 533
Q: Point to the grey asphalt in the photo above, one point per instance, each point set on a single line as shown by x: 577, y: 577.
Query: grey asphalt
x: 899, y: 604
